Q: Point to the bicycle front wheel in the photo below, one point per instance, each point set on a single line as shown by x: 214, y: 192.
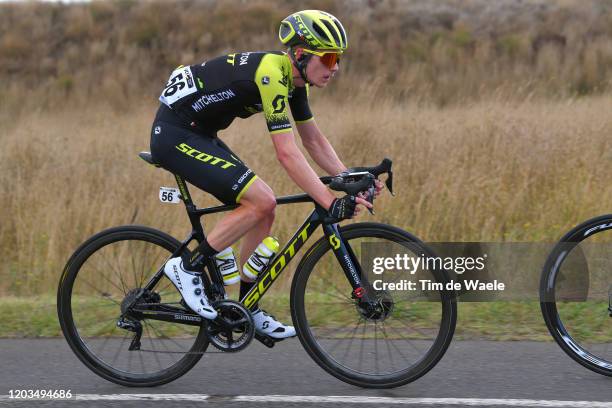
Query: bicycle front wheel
x: 100, y: 279
x: 386, y: 350
x: 576, y: 294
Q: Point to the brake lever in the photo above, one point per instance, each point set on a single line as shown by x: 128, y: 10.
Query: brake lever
x: 370, y: 198
x: 389, y: 182
x: 369, y: 195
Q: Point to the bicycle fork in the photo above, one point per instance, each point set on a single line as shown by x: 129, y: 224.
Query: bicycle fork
x: 350, y: 265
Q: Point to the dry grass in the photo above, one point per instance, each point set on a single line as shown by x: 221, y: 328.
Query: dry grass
x: 479, y: 103
x: 497, y: 171
x: 444, y: 51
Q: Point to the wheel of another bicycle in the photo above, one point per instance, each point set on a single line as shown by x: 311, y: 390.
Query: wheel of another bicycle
x: 104, y: 272
x: 576, y: 294
x: 383, y: 351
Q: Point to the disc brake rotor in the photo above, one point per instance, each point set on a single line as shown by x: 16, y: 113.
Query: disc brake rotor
x: 382, y: 308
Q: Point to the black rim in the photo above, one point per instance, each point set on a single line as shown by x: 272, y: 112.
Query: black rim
x: 386, y: 349
x: 580, y: 321
x: 98, y: 283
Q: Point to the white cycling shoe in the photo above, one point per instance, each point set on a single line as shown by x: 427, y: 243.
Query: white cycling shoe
x: 268, y: 325
x: 191, y: 288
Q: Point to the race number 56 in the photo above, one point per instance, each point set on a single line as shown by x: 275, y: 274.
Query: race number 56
x: 169, y: 195
x: 180, y: 85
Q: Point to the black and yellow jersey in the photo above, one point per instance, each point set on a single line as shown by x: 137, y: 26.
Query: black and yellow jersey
x: 214, y: 93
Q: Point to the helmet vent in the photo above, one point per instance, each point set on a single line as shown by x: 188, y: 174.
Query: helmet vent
x: 285, y: 30
x: 319, y: 30
x: 332, y: 30
x: 341, y: 30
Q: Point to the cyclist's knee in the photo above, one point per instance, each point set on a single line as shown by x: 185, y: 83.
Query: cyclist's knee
x: 261, y: 198
x: 266, y: 205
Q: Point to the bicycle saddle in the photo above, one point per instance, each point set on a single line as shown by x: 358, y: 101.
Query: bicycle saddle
x: 146, y: 156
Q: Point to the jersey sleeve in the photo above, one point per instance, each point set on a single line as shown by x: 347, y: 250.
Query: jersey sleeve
x: 272, y: 84
x: 299, y: 105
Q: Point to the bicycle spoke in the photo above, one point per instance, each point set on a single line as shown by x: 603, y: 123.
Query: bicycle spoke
x: 160, y: 338
x: 407, y: 340
x: 146, y: 328
x: 115, y: 263
x: 120, y: 348
x: 104, y: 343
x: 384, y: 332
x: 338, y: 329
x: 168, y: 338
x: 407, y: 324
x: 334, y: 303
x: 130, y: 353
x: 101, y: 294
x: 413, y: 299
x: 117, y: 273
x: 342, y: 295
x: 144, y: 256
x: 352, y: 338
x: 103, y: 275
x: 110, y: 268
x: 361, y: 348
x: 141, y: 362
x: 111, y: 322
x: 342, y: 339
x: 155, y: 262
x: 133, y: 261
x: 376, y: 346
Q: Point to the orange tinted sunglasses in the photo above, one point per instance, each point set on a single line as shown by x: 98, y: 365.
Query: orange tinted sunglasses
x: 329, y: 59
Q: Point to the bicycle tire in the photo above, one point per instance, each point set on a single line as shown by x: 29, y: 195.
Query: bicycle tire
x: 329, y: 363
x: 132, y: 235
x: 548, y: 300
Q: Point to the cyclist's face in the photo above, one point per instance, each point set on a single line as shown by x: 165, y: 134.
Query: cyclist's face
x: 318, y: 73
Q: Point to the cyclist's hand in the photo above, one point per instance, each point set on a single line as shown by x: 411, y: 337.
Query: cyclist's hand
x: 362, y: 198
x: 378, y: 185
x: 347, y: 207
x: 342, y: 208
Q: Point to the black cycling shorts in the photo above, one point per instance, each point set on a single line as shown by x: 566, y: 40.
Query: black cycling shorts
x: 204, y: 161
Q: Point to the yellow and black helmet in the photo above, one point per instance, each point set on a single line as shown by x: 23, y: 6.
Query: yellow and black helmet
x: 313, y: 29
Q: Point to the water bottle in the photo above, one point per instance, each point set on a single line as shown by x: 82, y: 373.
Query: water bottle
x: 261, y: 257
x: 226, y: 262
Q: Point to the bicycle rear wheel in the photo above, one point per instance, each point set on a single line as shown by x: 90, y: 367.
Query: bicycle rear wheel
x: 576, y: 294
x: 389, y: 350
x: 99, y: 279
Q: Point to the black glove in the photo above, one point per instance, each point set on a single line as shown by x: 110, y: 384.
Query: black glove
x: 342, y: 208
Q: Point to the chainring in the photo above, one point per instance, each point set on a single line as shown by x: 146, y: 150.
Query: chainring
x: 233, y: 329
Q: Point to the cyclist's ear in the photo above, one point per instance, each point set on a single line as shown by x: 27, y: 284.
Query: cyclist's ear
x: 299, y: 54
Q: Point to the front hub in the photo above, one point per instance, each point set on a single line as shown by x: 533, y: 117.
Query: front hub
x: 377, y: 310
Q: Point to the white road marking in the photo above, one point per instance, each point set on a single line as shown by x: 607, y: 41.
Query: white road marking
x: 357, y: 399
x: 340, y: 399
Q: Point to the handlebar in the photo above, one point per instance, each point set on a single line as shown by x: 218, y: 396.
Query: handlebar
x: 358, y: 179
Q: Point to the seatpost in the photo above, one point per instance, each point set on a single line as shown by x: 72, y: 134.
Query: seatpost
x: 194, y: 218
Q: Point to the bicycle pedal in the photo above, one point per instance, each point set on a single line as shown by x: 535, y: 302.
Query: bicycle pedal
x: 266, y: 340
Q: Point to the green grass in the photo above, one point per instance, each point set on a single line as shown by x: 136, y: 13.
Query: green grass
x: 510, y: 321
x: 28, y: 317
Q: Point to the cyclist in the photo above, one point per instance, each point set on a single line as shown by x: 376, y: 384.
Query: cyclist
x: 201, y: 99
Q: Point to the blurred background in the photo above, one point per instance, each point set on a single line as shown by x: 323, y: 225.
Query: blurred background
x: 495, y: 113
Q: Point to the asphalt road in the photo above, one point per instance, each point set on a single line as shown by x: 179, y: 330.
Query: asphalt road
x: 479, y: 370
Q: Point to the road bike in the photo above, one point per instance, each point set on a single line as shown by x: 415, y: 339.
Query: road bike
x: 576, y: 294
x: 126, y: 321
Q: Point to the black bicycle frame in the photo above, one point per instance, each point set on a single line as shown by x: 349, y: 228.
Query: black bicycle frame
x: 343, y: 252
